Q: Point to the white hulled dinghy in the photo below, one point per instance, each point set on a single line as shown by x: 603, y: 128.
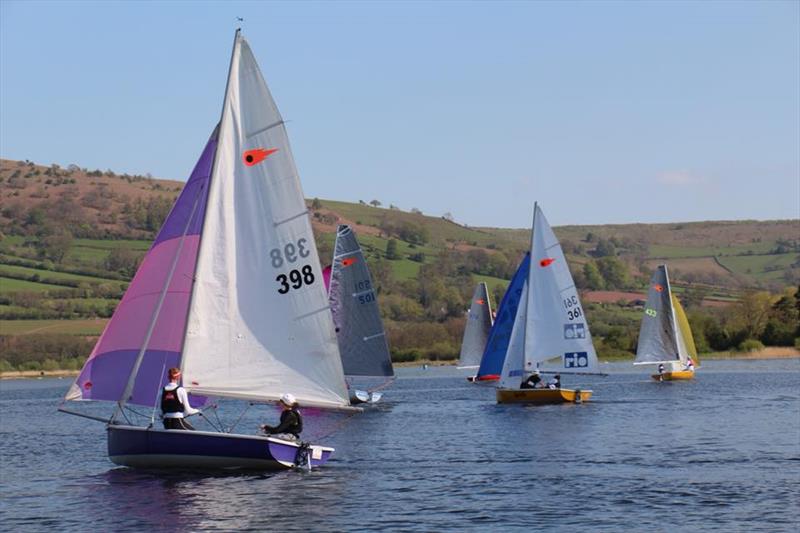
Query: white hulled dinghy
x: 550, y: 332
x: 665, y: 338
x: 231, y: 292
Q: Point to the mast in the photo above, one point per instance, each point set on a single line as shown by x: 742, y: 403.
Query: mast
x: 527, y: 299
x: 674, y: 323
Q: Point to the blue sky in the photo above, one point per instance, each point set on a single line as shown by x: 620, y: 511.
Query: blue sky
x: 604, y: 112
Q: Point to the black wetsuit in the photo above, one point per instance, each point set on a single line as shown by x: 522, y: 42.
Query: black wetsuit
x: 291, y: 422
x: 532, y: 382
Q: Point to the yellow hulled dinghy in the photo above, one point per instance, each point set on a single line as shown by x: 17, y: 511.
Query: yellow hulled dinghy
x: 665, y: 338
x: 550, y: 333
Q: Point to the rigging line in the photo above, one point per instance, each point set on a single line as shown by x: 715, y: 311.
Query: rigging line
x: 236, y: 423
x: 381, y: 387
x: 333, y: 430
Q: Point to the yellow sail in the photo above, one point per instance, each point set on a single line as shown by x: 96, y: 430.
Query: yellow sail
x: 686, y: 331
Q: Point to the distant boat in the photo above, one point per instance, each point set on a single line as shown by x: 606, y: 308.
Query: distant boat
x: 497, y: 345
x: 665, y: 337
x: 231, y: 292
x: 359, y: 328
x: 550, y: 332
x: 476, y: 331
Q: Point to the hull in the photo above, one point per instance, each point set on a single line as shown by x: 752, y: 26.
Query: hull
x: 487, y: 377
x: 542, y: 396
x: 140, y: 447
x: 674, y: 376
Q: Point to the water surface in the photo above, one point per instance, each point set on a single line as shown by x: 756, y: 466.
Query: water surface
x: 720, y: 453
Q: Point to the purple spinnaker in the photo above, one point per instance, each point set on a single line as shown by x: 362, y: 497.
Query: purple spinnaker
x: 106, y: 372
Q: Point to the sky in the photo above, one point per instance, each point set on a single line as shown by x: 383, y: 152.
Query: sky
x: 603, y: 112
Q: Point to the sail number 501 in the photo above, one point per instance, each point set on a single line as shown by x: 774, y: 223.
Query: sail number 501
x: 289, y: 254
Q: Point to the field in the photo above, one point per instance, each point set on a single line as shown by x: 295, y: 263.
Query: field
x: 86, y: 327
x: 19, y: 285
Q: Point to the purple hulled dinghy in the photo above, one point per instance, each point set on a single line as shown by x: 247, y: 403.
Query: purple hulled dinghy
x: 167, y: 448
x: 231, y: 292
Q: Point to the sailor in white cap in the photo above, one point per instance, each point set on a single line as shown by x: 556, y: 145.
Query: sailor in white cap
x: 291, y: 424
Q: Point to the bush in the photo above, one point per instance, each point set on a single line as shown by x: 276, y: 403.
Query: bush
x: 750, y: 345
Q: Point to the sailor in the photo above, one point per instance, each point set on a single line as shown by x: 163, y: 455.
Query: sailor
x: 291, y: 424
x: 533, y: 381
x: 661, y: 368
x: 175, y: 403
x: 689, y: 364
x: 555, y: 383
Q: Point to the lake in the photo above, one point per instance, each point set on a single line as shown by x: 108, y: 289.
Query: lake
x: 720, y: 453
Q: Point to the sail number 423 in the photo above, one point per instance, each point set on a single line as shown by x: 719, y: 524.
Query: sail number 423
x: 290, y: 253
x: 573, y: 307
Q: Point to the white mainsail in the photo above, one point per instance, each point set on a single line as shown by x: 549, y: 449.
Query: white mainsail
x: 259, y: 322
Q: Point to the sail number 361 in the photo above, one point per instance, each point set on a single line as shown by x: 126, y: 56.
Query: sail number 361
x: 573, y: 307
x: 290, y: 253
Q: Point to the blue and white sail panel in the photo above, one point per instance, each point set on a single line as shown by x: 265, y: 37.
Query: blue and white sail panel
x: 514, y: 366
x: 477, y: 328
x: 356, y: 316
x: 557, y: 335
x: 500, y: 335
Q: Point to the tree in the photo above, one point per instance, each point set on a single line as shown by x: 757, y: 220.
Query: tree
x: 416, y: 211
x: 391, y: 250
x: 614, y: 272
x: 448, y: 216
x: 594, y: 281
x: 316, y: 204
x: 375, y: 203
x: 122, y: 260
x: 751, y: 314
x: 605, y: 248
x: 55, y: 246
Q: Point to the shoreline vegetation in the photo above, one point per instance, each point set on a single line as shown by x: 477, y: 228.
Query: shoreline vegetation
x: 767, y: 353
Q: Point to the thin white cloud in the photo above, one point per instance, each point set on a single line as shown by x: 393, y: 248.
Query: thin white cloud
x: 679, y: 178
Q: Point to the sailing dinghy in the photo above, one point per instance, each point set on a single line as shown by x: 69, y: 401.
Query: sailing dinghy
x: 357, y: 318
x: 550, y: 333
x: 478, y: 325
x: 231, y: 292
x: 665, y: 337
x: 496, y: 347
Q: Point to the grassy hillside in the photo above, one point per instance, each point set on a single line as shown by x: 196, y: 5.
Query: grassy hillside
x: 70, y: 240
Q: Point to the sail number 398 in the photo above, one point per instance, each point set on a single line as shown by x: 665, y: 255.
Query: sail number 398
x: 290, y: 253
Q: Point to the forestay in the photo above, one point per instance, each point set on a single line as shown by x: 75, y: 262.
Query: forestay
x: 476, y: 330
x: 359, y: 328
x: 557, y: 336
x: 658, y: 342
x: 259, y: 322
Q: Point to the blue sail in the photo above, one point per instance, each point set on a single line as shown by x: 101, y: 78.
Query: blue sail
x: 495, y: 352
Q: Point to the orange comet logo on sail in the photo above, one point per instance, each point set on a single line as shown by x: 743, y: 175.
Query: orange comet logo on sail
x: 349, y: 261
x: 659, y: 288
x: 547, y: 261
x: 480, y: 302
x: 257, y: 155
